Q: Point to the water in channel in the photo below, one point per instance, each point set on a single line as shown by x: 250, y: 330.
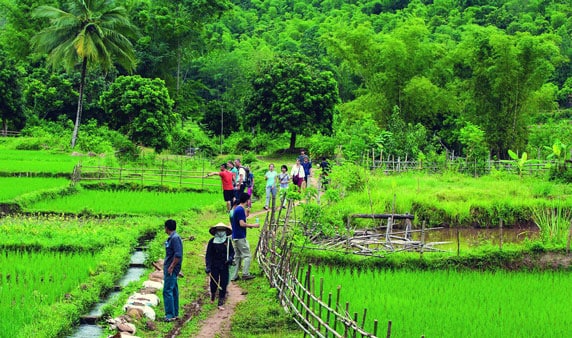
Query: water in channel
x: 133, y: 274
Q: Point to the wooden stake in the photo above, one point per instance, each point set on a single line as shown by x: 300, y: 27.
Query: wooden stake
x: 458, y: 243
x: 500, y: 235
x: 569, y: 238
x: 388, y: 329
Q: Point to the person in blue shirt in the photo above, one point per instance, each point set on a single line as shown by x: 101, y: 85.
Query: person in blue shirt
x: 270, y: 177
x: 242, y: 254
x: 307, y: 165
x: 171, y: 269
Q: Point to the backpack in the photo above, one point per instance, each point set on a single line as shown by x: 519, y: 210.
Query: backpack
x: 249, y: 178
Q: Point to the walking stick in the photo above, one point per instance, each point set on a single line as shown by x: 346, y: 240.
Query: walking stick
x: 214, y: 280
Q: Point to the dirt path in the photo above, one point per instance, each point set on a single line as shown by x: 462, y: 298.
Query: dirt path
x: 218, y: 324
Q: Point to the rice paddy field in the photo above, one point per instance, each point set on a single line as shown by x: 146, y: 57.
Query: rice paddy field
x: 123, y: 202
x: 13, y: 187
x: 32, y: 161
x: 30, y: 280
x: 53, y: 268
x: 456, y: 303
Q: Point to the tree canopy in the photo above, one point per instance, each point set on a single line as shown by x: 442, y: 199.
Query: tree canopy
x: 292, y: 96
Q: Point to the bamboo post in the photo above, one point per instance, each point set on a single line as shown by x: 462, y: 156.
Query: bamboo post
x: 162, y: 170
x: 308, y: 274
x: 337, y: 305
x: 388, y: 329
x: 312, y: 291
x: 500, y: 234
x: 346, y: 329
x: 355, y: 321
x: 320, y: 302
x: 363, y: 319
x: 422, y: 239
x: 375, y: 327
x: 329, y: 312
x: 569, y: 238
x: 458, y: 243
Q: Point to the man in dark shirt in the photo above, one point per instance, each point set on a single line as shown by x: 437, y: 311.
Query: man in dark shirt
x: 241, y: 247
x: 171, y: 269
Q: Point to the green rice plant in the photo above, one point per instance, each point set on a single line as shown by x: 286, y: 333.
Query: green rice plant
x: 98, y: 202
x: 58, y: 233
x: 31, y: 280
x: 32, y: 161
x: 553, y: 221
x: 108, y: 241
x: 13, y: 187
x: 455, y: 304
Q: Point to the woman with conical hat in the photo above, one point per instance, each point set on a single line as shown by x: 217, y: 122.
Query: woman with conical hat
x: 219, y: 256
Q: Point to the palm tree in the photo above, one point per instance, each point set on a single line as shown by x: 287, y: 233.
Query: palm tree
x: 91, y: 32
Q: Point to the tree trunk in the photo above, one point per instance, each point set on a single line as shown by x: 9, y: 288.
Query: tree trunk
x: 292, y: 141
x: 79, y: 103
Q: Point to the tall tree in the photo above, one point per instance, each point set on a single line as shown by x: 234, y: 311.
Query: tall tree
x: 92, y: 31
x: 289, y: 95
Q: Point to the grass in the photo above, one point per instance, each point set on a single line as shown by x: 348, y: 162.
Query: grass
x: 442, y: 198
x: 452, y: 199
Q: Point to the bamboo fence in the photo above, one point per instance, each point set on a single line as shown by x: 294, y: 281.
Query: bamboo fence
x: 319, y: 315
x: 145, y: 176
x: 392, y: 164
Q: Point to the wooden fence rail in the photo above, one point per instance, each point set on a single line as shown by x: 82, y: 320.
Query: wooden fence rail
x: 297, y: 292
x: 161, y: 176
x: 9, y: 133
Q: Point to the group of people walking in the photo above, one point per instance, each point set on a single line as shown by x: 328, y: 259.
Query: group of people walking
x: 299, y: 176
x: 228, y: 251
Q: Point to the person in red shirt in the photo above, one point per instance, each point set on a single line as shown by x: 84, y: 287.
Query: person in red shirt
x: 227, y: 185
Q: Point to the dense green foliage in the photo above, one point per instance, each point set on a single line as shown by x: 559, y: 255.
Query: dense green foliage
x: 410, y: 74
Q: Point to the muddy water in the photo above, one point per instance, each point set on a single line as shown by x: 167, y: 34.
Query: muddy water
x: 470, y: 237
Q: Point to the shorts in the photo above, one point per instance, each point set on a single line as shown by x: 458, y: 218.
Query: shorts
x: 228, y: 195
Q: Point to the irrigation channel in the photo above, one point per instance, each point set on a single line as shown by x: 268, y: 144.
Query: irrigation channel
x: 88, y: 327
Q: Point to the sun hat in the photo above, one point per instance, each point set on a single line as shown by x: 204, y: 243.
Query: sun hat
x: 220, y: 226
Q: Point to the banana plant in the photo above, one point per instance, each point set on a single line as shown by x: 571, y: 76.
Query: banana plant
x: 520, y: 162
x: 559, y: 152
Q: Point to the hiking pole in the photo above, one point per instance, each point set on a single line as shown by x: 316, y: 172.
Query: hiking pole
x: 212, y: 278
